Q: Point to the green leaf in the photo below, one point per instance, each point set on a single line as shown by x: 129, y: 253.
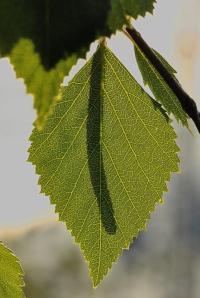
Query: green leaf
x: 159, y: 87
x: 104, y: 157
x: 121, y: 9
x: 11, y: 281
x: 43, y: 84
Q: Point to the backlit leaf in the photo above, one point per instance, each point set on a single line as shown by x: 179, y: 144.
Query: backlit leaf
x: 104, y: 157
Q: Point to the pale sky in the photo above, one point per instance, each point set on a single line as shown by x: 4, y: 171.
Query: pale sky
x: 21, y: 203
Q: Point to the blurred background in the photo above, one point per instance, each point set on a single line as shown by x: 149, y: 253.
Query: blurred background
x: 164, y: 261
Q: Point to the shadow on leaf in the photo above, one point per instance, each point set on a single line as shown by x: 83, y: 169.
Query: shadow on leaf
x: 94, y: 147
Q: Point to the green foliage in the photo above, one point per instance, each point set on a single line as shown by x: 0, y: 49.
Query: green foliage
x: 43, y: 84
x: 159, y: 87
x: 104, y: 157
x: 11, y: 281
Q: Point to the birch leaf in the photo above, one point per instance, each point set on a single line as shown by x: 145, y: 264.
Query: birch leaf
x: 104, y: 157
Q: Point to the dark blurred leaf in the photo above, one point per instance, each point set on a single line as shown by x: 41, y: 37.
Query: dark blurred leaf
x: 38, y: 34
x: 61, y: 28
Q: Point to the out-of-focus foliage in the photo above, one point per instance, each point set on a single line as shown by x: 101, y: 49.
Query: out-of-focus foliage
x: 90, y: 161
x: 43, y: 84
x: 11, y: 281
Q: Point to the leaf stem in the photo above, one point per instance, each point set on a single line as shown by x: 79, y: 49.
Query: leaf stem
x: 187, y: 103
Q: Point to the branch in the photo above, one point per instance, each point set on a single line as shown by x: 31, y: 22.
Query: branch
x: 187, y: 103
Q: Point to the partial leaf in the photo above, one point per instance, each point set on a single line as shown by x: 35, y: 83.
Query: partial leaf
x: 159, y: 87
x: 43, y: 84
x: 121, y: 9
x: 104, y: 157
x: 11, y: 281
